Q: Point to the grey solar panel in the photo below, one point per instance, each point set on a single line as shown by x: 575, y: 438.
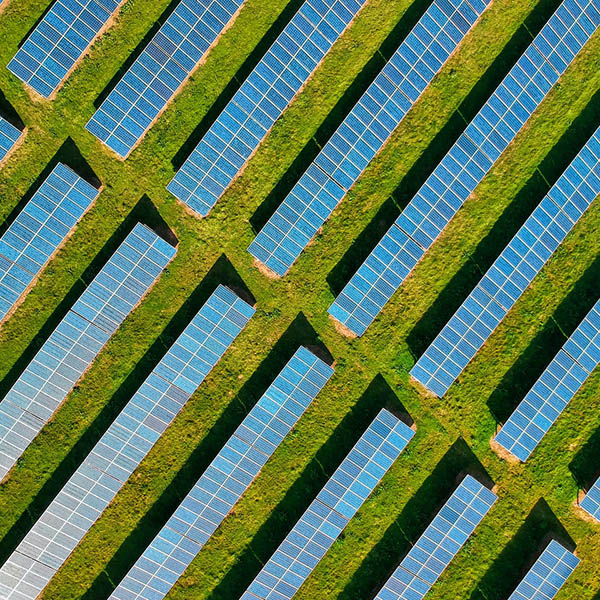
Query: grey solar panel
x: 9, y: 136
x: 364, y: 132
x: 327, y: 516
x: 465, y: 165
x: 77, y: 340
x: 124, y: 445
x: 265, y: 94
x: 226, y: 479
x: 39, y: 230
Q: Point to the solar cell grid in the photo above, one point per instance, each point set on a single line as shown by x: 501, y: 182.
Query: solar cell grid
x: 74, y: 344
x: 265, y: 94
x: 324, y: 520
x: 124, y: 445
x: 363, y: 132
x: 9, y: 136
x: 547, y: 575
x: 591, y: 501
x: 465, y: 165
x: 152, y: 81
x: 60, y: 39
x: 38, y: 231
x: 440, y: 542
x: 555, y: 388
x: 226, y: 478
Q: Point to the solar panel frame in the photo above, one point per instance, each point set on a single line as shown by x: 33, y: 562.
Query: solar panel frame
x: 224, y: 481
x: 363, y: 133
x: 9, y: 138
x: 39, y: 231
x: 548, y: 574
x: 71, y: 348
x: 591, y: 501
x: 125, y: 444
x: 464, y: 166
x: 59, y: 41
x: 332, y: 509
x: 279, y: 77
x: 178, y: 48
x: 440, y: 542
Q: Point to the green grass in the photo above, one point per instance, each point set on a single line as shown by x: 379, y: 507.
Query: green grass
x: 453, y: 433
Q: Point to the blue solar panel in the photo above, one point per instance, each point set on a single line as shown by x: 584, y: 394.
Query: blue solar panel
x: 77, y: 340
x: 465, y: 165
x: 515, y: 268
x: 550, y: 395
x: 159, y: 72
x: 591, y: 501
x: 59, y: 40
x: 548, y: 574
x: 124, y: 445
x: 226, y: 479
x: 440, y: 542
x: 265, y: 94
x: 39, y: 230
x: 364, y: 132
x: 327, y: 516
x: 9, y: 136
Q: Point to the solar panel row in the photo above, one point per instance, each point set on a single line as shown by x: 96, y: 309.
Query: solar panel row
x: 59, y: 40
x: 591, y: 501
x: 549, y: 573
x: 38, y: 231
x: 9, y: 136
x: 440, y: 542
x: 226, y: 479
x: 512, y: 272
x: 465, y: 165
x: 364, y: 132
x: 555, y: 388
x: 265, y: 94
x: 124, y: 445
x: 327, y: 516
x: 161, y: 69
x: 74, y: 344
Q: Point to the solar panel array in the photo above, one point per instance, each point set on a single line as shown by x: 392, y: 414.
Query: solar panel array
x: 126, y: 442
x: 465, y: 165
x: 327, y: 516
x: 161, y: 69
x: 265, y: 94
x: 548, y: 574
x: 226, y: 479
x: 364, y: 132
x: 591, y: 501
x: 551, y: 393
x: 59, y: 40
x: 440, y: 542
x: 78, y: 338
x: 512, y: 272
x: 9, y: 136
x: 39, y: 229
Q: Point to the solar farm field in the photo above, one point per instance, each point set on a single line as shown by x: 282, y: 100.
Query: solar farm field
x: 536, y: 499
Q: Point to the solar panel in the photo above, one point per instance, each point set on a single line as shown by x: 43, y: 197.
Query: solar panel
x: 9, y: 136
x: 364, y: 132
x: 591, y: 501
x: 159, y: 72
x: 551, y: 393
x: 327, y: 516
x: 39, y: 230
x: 512, y: 272
x: 465, y: 165
x: 124, y: 445
x: 265, y: 94
x: 548, y: 574
x: 77, y: 340
x: 226, y: 479
x: 440, y: 542
x: 58, y: 42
